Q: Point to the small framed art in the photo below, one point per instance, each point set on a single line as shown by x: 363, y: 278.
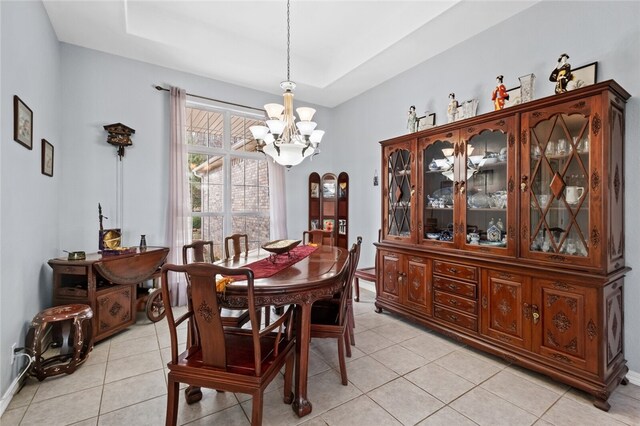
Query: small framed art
x: 514, y: 97
x: 329, y: 189
x: 342, y: 226
x: 22, y: 123
x: 315, y: 190
x: 583, y: 76
x: 427, y: 121
x: 328, y: 224
x: 47, y: 158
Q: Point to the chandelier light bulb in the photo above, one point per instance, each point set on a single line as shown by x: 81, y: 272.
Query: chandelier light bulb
x: 306, y: 127
x: 274, y: 111
x: 259, y: 132
x: 316, y: 136
x: 305, y: 113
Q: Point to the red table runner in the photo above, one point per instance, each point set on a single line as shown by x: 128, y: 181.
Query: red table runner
x: 273, y: 264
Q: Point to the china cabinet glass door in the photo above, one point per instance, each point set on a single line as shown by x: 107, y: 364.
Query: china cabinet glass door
x: 400, y: 189
x: 437, y: 200
x: 485, y: 178
x: 558, y: 188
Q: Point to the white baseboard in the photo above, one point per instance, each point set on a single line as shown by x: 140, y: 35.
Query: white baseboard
x: 8, y: 395
x: 634, y: 377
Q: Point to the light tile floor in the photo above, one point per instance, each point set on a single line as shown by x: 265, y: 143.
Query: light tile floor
x: 399, y: 373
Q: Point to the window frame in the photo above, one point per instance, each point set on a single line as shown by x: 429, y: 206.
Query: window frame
x: 227, y: 153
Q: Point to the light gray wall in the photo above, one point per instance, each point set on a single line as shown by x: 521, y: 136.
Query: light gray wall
x: 29, y: 212
x: 101, y: 89
x: 607, y: 32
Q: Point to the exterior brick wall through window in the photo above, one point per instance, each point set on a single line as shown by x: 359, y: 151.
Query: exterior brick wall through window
x: 228, y: 179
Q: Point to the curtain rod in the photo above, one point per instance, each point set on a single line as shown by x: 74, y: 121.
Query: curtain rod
x: 214, y: 100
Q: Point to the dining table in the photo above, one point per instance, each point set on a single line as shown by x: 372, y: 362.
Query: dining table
x: 314, y: 276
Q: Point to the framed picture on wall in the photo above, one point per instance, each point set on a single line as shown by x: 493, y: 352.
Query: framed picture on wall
x: 328, y: 224
x: 47, y: 158
x: 22, y: 123
x: 315, y: 224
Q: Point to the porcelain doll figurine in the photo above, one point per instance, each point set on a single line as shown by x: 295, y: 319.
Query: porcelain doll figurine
x: 412, y: 119
x: 561, y: 74
x: 452, y: 109
x: 499, y: 95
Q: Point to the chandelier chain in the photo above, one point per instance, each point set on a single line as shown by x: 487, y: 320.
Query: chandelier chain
x: 288, y: 41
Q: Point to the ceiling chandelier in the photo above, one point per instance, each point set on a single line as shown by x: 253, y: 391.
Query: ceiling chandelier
x: 286, y: 141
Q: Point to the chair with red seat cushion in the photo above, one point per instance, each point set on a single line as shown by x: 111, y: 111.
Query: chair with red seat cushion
x: 224, y: 358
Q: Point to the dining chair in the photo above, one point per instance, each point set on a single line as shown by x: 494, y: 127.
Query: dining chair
x: 202, y: 251
x: 236, y: 239
x: 224, y: 358
x: 317, y: 236
x: 367, y: 274
x: 330, y: 317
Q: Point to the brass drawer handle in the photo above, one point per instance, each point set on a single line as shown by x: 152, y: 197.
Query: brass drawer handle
x: 453, y: 318
x: 452, y: 287
x: 453, y: 270
x: 453, y: 302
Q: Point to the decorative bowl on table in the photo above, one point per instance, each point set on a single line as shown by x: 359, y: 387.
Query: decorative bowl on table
x: 280, y: 246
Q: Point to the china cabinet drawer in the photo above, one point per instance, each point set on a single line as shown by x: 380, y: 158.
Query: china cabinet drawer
x: 456, y: 302
x: 457, y: 287
x: 456, y: 318
x: 456, y: 270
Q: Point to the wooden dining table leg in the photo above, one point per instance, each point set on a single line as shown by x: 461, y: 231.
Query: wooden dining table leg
x: 301, y: 405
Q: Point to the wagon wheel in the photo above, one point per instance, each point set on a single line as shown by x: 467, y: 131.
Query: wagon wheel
x: 155, y: 306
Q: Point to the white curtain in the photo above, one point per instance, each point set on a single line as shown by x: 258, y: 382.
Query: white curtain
x: 179, y: 202
x: 277, y: 201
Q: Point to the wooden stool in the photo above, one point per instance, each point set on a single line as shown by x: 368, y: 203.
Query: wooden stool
x: 367, y: 274
x: 71, y: 331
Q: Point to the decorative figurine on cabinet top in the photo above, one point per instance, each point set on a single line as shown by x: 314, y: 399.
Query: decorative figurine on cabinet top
x: 452, y: 109
x: 500, y: 94
x: 412, y: 119
x: 561, y: 74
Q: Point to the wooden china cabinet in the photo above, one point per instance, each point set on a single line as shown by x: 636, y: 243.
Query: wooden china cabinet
x: 506, y: 232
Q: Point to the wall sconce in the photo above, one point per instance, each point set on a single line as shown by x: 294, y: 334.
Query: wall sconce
x: 119, y: 136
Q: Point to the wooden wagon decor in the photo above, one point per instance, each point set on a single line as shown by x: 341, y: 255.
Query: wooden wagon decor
x: 119, y: 136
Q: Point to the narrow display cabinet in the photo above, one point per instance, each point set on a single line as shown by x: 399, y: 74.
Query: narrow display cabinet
x: 329, y: 205
x: 506, y: 232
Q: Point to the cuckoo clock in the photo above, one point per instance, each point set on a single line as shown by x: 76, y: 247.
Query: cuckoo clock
x: 119, y: 136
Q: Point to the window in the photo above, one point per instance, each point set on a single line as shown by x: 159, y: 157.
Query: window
x: 229, y: 180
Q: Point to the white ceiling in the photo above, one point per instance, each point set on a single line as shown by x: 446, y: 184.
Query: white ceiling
x: 339, y: 49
